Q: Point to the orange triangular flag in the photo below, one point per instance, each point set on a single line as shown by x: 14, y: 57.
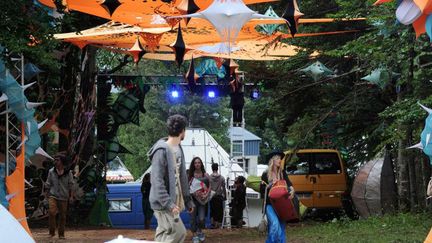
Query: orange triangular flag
x: 137, y: 51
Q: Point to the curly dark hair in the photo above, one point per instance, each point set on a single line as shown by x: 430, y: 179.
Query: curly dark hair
x: 192, y: 167
x: 64, y: 158
x: 176, y: 124
x: 215, y: 167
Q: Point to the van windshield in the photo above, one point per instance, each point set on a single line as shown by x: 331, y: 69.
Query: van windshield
x: 314, y: 163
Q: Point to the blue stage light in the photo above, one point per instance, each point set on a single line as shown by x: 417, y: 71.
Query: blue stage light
x: 211, y: 94
x: 174, y: 94
x: 255, y: 94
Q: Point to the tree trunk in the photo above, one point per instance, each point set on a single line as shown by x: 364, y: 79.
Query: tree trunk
x: 420, y: 183
x: 426, y: 174
x: 404, y: 170
x: 83, y: 139
x: 412, y: 180
x: 69, y: 81
x: 403, y: 175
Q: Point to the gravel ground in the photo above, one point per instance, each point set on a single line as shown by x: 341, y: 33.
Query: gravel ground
x: 106, y: 234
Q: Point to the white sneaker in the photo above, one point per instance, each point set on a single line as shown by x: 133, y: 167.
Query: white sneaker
x: 195, y: 239
x: 201, y: 236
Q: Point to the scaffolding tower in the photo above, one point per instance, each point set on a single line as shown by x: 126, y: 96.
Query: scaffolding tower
x: 236, y: 150
x: 12, y: 126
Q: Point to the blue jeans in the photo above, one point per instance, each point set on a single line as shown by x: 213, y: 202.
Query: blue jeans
x: 276, y: 227
x: 198, y: 217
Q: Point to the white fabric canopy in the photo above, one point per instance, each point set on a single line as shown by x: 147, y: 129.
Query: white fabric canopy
x: 228, y: 17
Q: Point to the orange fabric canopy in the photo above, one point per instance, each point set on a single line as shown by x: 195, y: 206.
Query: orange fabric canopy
x: 121, y: 37
x: 143, y: 13
x: 124, y: 36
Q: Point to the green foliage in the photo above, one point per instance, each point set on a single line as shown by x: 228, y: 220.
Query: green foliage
x: 139, y: 140
x: 353, y: 115
x: 213, y: 116
x: 17, y: 31
x: 389, y: 228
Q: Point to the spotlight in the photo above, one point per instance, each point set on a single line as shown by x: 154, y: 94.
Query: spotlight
x: 255, y: 94
x: 211, y: 94
x: 174, y: 94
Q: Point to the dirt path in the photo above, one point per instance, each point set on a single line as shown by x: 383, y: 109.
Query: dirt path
x: 105, y: 234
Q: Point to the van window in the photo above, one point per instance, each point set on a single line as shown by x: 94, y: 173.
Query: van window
x: 325, y: 163
x: 314, y: 163
x: 299, y: 165
x: 120, y: 205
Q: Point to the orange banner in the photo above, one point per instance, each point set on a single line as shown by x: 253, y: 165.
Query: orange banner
x: 15, y: 187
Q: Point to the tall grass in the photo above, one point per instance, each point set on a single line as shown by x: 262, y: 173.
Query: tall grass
x: 389, y: 228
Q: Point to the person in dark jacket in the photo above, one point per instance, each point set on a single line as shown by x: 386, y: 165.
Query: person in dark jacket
x: 145, y: 190
x: 237, y: 100
x: 238, y: 203
x: 217, y: 183
x: 275, y: 172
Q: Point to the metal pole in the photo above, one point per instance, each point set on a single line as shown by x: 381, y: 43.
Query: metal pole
x: 7, y: 142
x: 205, y: 149
x: 22, y: 70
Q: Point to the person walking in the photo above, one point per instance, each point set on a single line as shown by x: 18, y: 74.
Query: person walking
x: 217, y: 183
x: 59, y: 186
x: 145, y: 190
x: 169, y: 192
x: 276, y: 227
x: 199, y: 182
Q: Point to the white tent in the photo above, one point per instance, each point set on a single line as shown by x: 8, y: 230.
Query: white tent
x: 198, y: 142
x: 11, y: 230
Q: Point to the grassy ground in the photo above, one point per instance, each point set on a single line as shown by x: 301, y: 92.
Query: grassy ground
x: 396, y: 228
x: 392, y: 228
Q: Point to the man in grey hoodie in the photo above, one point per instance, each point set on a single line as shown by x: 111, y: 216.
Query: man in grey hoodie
x: 169, y: 193
x: 217, y: 202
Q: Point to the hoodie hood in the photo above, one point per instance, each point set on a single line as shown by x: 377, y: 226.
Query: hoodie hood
x: 213, y: 176
x: 161, y: 144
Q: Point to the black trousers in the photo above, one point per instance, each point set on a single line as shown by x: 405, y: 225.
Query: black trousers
x: 216, y: 208
x: 237, y: 216
x: 237, y: 114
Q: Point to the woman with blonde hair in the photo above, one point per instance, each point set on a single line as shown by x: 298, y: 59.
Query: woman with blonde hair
x: 274, y: 173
